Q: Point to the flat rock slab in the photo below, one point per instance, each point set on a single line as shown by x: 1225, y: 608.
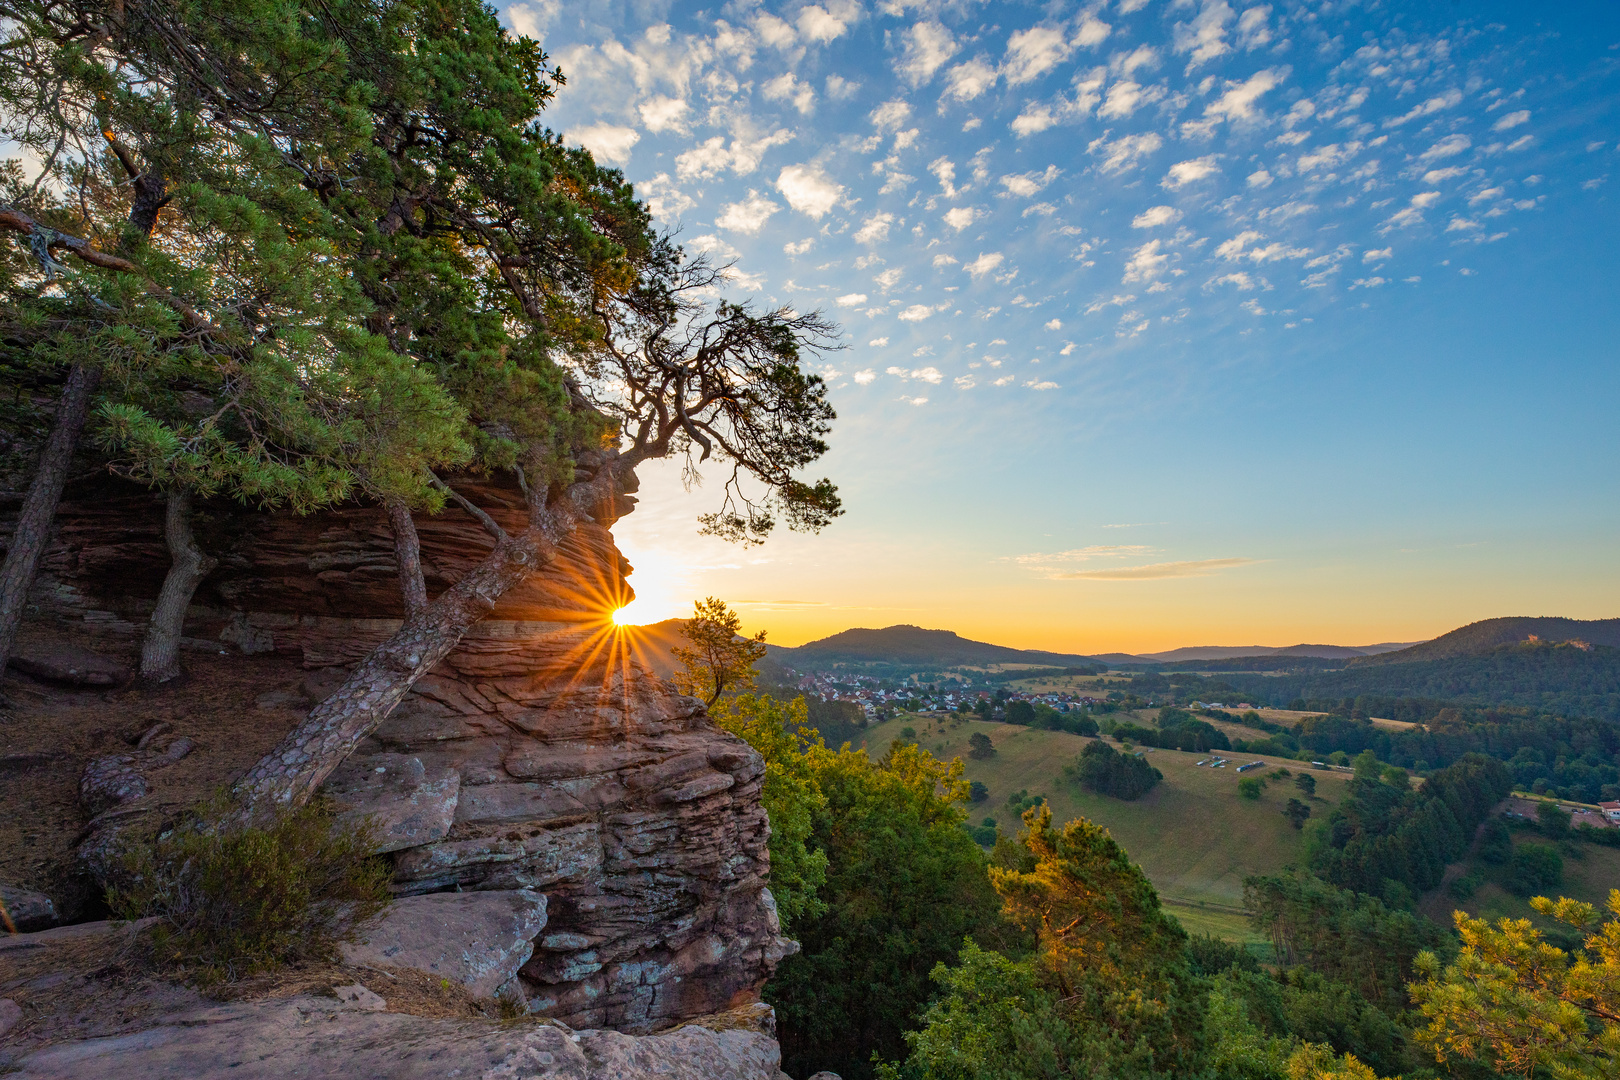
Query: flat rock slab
x: 70, y: 665
x: 478, y: 939
x: 408, y: 803
x: 309, y: 1038
x: 28, y: 910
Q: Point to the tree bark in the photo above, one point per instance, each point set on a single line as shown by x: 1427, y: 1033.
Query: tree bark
x: 408, y: 554
x: 39, y: 507
x: 188, y: 566
x: 290, y: 773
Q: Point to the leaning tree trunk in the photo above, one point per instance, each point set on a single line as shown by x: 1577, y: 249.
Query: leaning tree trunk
x: 291, y: 772
x: 39, y: 507
x: 188, y: 565
x: 408, y: 556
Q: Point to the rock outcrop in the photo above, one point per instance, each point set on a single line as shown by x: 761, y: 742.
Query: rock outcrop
x: 349, y: 1037
x: 540, y: 755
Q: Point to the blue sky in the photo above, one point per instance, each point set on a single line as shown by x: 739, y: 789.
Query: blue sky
x: 1167, y: 323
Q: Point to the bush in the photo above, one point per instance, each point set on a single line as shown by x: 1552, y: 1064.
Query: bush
x: 237, y: 900
x: 1209, y: 955
x: 977, y: 792
x: 1535, y: 868
x: 1466, y: 886
x: 1250, y: 787
x: 1105, y: 770
x: 1496, y: 844
x: 980, y: 747
x: 1297, y: 813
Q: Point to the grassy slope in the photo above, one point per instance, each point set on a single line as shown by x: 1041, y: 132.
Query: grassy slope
x: 1192, y: 834
x: 1589, y: 879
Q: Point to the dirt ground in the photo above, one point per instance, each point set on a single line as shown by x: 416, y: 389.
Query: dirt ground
x: 49, y: 733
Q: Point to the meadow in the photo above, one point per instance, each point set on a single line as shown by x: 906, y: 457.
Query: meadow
x: 1193, y: 835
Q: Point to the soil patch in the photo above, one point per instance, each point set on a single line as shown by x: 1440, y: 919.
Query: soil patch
x: 51, y: 732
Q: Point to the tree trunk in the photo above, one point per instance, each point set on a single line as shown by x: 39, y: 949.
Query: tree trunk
x: 408, y: 554
x: 291, y: 772
x: 39, y: 507
x: 188, y: 565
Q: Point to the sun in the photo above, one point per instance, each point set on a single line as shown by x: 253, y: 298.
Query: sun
x: 626, y: 616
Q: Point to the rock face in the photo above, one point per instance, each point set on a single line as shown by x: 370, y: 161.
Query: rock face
x: 350, y: 1038
x: 539, y: 755
x: 478, y: 939
x: 28, y: 911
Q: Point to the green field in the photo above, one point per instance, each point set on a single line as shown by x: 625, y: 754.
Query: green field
x: 1193, y: 835
x: 1587, y: 878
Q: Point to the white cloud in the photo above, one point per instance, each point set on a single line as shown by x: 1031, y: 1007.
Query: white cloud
x: 1330, y: 156
x: 889, y: 278
x: 1450, y: 99
x: 1155, y: 216
x: 1260, y: 179
x: 774, y: 31
x: 942, y: 168
x: 748, y: 216
x: 969, y: 79
x: 1450, y: 146
x: 823, y: 23
x: 1240, y: 101
x: 1413, y: 212
x: 840, y: 88
x: 606, y: 142
x: 919, y: 401
x: 862, y: 378
x: 1004, y: 380
x: 1092, y: 31
x: 787, y: 87
x: 960, y: 217
x: 662, y: 113
x: 664, y: 199
x: 1034, y: 385
x: 1440, y: 176
x: 1054, y: 324
x: 966, y: 382
x: 712, y: 156
x: 1239, y: 278
x: 531, y: 20
x: 799, y: 247
x: 1125, y: 97
x: 1183, y: 173
x: 875, y: 229
x: 854, y: 299
x: 1375, y: 256
x: 916, y: 313
x: 1146, y: 263
x: 890, y: 115
x: 712, y: 245
x: 1252, y: 29
x: 1125, y: 151
x: 927, y: 375
x: 1205, y: 36
x: 1238, y: 248
x: 1033, y: 120
x: 927, y: 46
x: 1486, y: 196
x: 986, y: 262
x: 1512, y: 120
x: 1033, y: 52
x: 808, y: 190
x: 1143, y: 56
x: 878, y: 342
x: 1027, y: 184
x: 944, y: 260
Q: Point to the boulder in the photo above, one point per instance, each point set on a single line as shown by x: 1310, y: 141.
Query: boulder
x: 11, y: 1015
x: 408, y: 804
x: 29, y: 911
x: 69, y: 665
x: 111, y: 781
x: 326, y: 1039
x: 478, y: 939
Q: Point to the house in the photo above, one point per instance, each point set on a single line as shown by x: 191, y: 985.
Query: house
x: 1611, y: 810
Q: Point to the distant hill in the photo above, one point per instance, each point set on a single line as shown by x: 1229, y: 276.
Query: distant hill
x: 1477, y: 639
x: 1223, y: 652
x: 912, y: 646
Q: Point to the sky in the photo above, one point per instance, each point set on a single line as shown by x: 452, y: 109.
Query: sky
x: 1165, y: 322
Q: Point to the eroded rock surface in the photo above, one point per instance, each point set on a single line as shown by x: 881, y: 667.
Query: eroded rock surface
x: 317, y: 1038
x: 27, y: 910
x: 478, y: 939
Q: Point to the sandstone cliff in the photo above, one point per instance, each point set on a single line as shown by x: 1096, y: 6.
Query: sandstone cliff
x: 540, y: 755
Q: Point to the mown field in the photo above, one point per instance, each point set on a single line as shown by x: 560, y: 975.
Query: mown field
x: 1193, y: 835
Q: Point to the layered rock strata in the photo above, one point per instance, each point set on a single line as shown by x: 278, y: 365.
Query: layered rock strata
x: 539, y: 755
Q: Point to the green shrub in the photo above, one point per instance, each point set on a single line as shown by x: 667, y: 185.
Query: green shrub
x: 1250, y: 786
x: 1535, y: 868
x: 238, y: 900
